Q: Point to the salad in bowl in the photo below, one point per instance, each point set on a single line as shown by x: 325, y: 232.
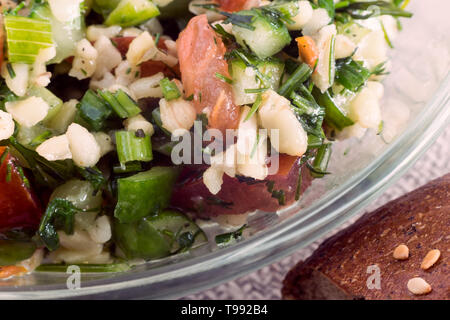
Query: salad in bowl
x: 126, y: 124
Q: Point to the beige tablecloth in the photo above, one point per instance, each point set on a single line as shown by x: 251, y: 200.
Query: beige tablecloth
x: 266, y: 282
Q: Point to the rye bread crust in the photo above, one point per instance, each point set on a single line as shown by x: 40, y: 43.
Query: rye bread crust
x: 338, y: 268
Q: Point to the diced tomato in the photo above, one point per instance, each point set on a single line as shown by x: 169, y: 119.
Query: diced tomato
x: 237, y: 5
x: 11, y: 271
x: 308, y: 50
x: 239, y: 195
x: 19, y: 207
x: 123, y: 43
x: 201, y: 53
x: 148, y: 68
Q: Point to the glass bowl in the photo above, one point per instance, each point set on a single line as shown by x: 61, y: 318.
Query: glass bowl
x: 416, y: 109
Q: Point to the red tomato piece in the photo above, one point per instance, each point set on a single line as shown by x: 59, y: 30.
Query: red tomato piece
x: 237, y: 5
x: 201, y: 54
x: 19, y: 207
x: 148, y: 68
x: 239, y: 196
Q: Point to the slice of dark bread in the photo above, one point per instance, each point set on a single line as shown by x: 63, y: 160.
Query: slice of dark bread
x: 341, y: 267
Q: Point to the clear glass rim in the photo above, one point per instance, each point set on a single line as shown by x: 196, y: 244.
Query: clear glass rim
x: 195, y: 274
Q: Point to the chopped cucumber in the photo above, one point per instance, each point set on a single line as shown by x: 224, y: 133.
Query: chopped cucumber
x: 104, y: 7
x: 144, y: 193
x: 353, y: 30
x: 53, y: 101
x: 175, y: 9
x: 245, y: 81
x: 13, y: 251
x: 268, y: 37
x: 132, y: 12
x: 66, y: 35
x: 158, y: 236
x: 30, y: 136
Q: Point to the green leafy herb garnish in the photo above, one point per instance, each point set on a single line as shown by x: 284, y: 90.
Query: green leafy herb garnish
x: 227, y: 238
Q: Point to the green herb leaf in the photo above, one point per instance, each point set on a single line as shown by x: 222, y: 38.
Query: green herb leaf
x: 169, y: 89
x: 60, y: 214
x: 227, y: 238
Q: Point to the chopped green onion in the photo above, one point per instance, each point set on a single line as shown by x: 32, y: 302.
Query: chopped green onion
x: 25, y: 37
x: 334, y: 116
x: 40, y: 138
x: 169, y: 89
x: 254, y: 108
x: 85, y: 268
x: 128, y: 167
x: 386, y: 36
x: 93, y: 110
x: 314, y: 141
x: 11, y: 71
x: 8, y: 172
x: 257, y: 90
x: 132, y: 148
x: 121, y: 103
x: 351, y: 74
x: 321, y: 160
x: 331, y: 61
x: 299, y: 184
x: 368, y: 9
x: 226, y: 238
x: 341, y: 4
x: 223, y: 78
x: 300, y: 75
x: 4, y: 155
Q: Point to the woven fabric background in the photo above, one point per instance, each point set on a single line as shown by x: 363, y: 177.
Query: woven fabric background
x: 266, y: 283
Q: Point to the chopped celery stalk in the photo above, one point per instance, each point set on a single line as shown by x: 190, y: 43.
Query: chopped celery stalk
x: 65, y: 35
x: 169, y: 89
x: 121, y: 103
x: 266, y: 36
x: 132, y: 12
x: 131, y: 146
x: 320, y: 163
x: 85, y: 268
x: 53, y: 101
x: 93, y: 110
x: 335, y: 117
x: 14, y: 251
x: 158, y: 236
x: 351, y: 74
x: 300, y: 75
x: 144, y: 193
x: 25, y: 37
